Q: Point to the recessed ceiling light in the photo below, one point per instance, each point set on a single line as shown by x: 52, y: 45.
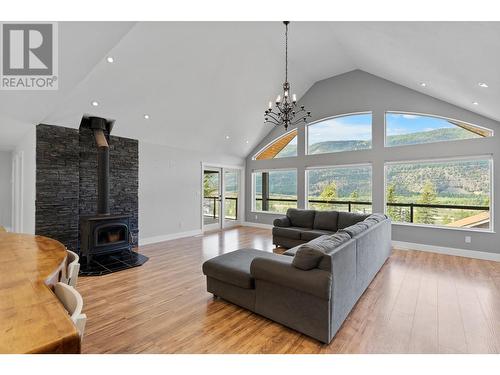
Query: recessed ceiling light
x: 110, y: 59
x: 247, y: 142
x: 146, y: 116
x: 482, y: 84
x: 423, y: 84
x: 227, y: 137
x: 475, y: 103
x: 95, y: 103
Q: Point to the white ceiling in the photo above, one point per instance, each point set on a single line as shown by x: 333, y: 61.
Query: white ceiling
x: 201, y: 82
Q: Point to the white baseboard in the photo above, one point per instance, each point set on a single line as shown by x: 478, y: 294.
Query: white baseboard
x: 256, y: 225
x: 168, y: 237
x: 446, y: 250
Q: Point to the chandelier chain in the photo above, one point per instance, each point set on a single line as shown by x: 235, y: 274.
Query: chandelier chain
x: 286, y: 52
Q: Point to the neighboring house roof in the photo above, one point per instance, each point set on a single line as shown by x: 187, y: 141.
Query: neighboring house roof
x: 471, y: 221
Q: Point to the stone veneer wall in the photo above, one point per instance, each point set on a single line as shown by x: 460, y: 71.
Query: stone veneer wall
x: 66, y: 181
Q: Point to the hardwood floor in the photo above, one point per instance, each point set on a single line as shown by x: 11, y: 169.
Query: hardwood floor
x: 418, y: 303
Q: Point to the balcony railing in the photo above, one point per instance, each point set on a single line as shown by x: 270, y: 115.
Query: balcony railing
x: 411, y: 206
x: 212, y: 205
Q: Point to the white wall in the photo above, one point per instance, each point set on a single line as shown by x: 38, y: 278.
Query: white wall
x: 27, y: 146
x: 170, y: 190
x: 5, y: 188
x: 358, y: 91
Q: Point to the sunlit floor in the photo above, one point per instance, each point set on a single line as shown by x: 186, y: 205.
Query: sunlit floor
x: 418, y: 303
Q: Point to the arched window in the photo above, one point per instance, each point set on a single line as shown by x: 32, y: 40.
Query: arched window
x: 284, y: 146
x: 402, y: 129
x: 350, y: 132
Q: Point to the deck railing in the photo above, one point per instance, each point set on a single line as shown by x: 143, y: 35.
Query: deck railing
x: 213, y: 202
x: 411, y: 206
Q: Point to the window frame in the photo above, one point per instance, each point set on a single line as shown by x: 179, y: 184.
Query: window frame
x: 262, y: 149
x: 433, y: 116
x: 306, y: 137
x: 488, y: 157
x: 261, y: 170
x: 353, y: 165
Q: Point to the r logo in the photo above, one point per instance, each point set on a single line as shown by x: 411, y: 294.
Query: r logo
x: 27, y: 49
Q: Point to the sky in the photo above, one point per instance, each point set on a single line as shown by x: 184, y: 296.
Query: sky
x: 358, y: 127
x: 400, y: 123
x: 352, y: 127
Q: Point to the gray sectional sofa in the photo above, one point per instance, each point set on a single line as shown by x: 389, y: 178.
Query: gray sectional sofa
x: 311, y: 287
x: 301, y: 226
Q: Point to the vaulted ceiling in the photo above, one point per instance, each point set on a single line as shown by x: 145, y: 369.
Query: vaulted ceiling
x: 201, y: 82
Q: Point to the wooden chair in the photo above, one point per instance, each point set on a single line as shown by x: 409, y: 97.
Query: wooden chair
x: 70, y: 275
x: 73, y: 303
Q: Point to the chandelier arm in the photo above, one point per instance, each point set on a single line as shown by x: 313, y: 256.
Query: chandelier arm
x: 271, y: 122
x: 273, y: 116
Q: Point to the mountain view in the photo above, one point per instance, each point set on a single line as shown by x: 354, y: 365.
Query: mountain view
x: 450, y: 182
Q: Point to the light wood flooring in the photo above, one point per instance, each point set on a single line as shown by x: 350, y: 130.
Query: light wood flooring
x: 418, y: 303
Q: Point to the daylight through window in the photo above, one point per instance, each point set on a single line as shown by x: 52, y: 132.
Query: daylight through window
x: 450, y: 193
x: 275, y: 190
x: 343, y: 188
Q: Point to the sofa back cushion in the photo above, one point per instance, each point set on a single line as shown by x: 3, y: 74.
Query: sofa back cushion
x: 355, y: 229
x: 301, y: 218
x: 307, y: 257
x: 346, y: 219
x: 326, y: 220
x: 327, y: 244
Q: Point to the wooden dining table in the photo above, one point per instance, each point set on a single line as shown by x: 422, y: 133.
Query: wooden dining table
x: 32, y: 320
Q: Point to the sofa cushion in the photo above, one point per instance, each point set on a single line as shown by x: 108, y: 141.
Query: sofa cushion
x: 355, y: 229
x: 307, y: 257
x: 292, y: 251
x: 346, y: 219
x: 234, y: 267
x: 309, y: 235
x: 376, y: 217
x: 328, y: 243
x: 281, y: 222
x: 301, y: 218
x: 326, y: 220
x: 288, y: 232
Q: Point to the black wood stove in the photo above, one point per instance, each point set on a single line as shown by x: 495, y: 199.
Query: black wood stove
x: 103, y: 233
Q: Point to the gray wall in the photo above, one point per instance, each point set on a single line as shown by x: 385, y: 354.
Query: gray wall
x: 358, y: 91
x: 5, y: 188
x: 170, y: 189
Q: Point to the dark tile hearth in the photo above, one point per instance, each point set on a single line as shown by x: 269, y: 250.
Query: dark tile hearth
x: 108, y: 263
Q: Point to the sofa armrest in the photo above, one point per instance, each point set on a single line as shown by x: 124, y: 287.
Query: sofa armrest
x: 280, y: 271
x: 282, y: 222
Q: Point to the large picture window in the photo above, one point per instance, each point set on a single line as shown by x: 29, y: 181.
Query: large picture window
x: 275, y: 190
x: 451, y: 193
x: 343, y: 188
x: 411, y: 129
x: 342, y: 133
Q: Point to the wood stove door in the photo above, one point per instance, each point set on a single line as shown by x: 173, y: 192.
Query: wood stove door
x: 110, y: 235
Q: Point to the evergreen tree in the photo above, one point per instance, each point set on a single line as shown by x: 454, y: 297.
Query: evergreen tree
x: 426, y: 215
x: 393, y: 212
x: 329, y: 193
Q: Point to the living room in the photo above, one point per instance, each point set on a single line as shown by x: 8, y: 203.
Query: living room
x: 244, y: 185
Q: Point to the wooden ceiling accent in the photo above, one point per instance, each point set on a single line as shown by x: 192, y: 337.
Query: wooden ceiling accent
x: 274, y: 148
x: 474, y: 129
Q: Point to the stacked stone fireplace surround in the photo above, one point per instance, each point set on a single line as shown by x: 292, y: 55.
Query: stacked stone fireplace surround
x: 66, y: 181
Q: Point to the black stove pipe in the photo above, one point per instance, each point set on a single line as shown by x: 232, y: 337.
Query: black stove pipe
x: 98, y: 125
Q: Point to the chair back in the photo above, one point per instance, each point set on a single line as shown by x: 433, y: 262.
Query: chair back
x: 72, y: 270
x: 73, y: 303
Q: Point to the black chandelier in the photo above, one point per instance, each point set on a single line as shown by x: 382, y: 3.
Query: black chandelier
x: 286, y: 112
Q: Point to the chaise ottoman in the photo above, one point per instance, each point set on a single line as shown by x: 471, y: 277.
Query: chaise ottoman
x: 228, y: 275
